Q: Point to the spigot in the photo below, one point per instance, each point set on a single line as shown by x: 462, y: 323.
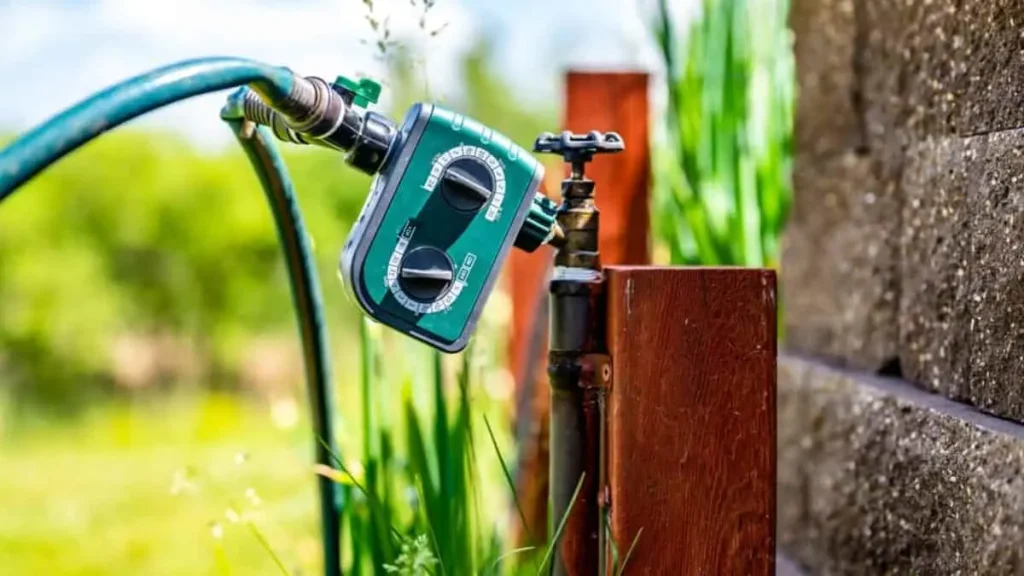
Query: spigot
x: 577, y: 216
x: 578, y: 149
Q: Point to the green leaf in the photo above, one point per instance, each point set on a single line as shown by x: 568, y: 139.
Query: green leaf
x: 629, y: 553
x: 508, y: 477
x: 561, y: 525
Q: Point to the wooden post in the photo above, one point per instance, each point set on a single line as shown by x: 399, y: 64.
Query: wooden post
x: 616, y: 102
x: 691, y: 418
x: 593, y: 101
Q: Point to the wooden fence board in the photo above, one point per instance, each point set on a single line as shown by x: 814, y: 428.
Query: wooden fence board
x: 691, y: 418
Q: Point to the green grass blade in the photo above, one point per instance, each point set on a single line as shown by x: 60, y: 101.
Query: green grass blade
x: 511, y: 553
x: 385, y: 479
x: 267, y: 548
x: 467, y: 470
x: 356, y: 537
x: 378, y: 537
x: 561, y: 525
x: 430, y: 530
x: 622, y: 569
x: 418, y: 461
x: 445, y: 522
x: 460, y: 494
x: 605, y: 513
x: 508, y: 478
x: 442, y: 455
x: 369, y: 354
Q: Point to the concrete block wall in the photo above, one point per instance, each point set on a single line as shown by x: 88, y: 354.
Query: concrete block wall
x: 901, y: 388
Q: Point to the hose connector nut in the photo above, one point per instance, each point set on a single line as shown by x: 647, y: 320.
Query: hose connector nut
x: 372, y: 143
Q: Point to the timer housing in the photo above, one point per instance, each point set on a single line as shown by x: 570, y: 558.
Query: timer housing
x: 445, y: 209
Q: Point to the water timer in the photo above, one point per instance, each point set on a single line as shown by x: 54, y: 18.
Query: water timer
x: 449, y: 198
x: 442, y: 214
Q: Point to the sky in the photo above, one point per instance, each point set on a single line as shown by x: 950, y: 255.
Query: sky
x: 60, y: 51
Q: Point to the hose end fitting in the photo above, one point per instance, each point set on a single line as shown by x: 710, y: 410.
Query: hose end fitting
x: 373, y: 143
x: 316, y: 112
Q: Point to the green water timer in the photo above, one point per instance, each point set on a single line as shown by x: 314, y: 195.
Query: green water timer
x: 449, y: 201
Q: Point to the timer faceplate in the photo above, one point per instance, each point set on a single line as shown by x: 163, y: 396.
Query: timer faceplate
x: 453, y: 188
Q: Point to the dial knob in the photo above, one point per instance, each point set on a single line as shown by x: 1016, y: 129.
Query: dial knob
x: 426, y: 273
x: 467, y: 184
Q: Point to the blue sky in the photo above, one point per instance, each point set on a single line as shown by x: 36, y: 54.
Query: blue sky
x: 60, y: 51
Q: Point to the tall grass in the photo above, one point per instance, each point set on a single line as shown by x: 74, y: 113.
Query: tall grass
x: 722, y: 175
x: 429, y: 492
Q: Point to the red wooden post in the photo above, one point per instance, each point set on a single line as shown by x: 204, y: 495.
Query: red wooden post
x: 691, y: 418
x: 593, y: 101
x: 616, y: 102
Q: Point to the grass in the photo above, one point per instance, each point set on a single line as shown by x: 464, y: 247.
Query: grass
x: 423, y: 467
x: 722, y: 171
x: 433, y: 492
x: 94, y: 497
x: 427, y: 487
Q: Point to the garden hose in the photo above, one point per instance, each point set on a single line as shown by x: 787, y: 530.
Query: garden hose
x: 306, y: 298
x: 296, y: 99
x: 46, y: 144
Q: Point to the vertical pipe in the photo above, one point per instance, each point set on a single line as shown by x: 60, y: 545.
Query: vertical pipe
x: 592, y: 100
x: 577, y: 399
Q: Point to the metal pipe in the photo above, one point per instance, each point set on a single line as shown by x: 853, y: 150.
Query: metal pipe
x: 576, y: 371
x: 325, y: 118
x: 578, y: 362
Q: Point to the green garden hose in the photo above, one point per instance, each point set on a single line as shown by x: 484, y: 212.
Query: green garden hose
x: 47, y: 143
x: 62, y: 134
x: 273, y: 175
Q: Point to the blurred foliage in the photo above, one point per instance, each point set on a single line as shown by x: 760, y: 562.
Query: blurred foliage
x: 723, y: 174
x: 139, y: 239
x: 163, y: 489
x: 137, y: 234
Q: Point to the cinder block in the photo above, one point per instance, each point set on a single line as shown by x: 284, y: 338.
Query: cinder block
x: 997, y: 278
x: 878, y: 75
x: 827, y: 118
x: 938, y: 67
x: 904, y: 61
x: 884, y: 478
x: 839, y: 263
x: 794, y: 464
x: 935, y: 247
x: 987, y: 55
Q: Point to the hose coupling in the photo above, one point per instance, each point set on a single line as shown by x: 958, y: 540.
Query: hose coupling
x: 316, y: 112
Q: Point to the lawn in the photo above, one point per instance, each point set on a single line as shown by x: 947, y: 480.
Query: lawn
x: 154, y: 489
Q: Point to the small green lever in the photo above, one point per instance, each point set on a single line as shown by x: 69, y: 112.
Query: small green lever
x: 364, y: 91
